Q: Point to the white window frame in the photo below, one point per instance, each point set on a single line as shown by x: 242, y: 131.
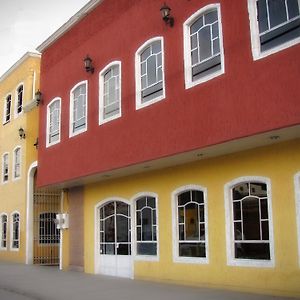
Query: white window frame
x: 297, y: 198
x: 4, y: 109
x: 138, y: 84
x: 71, y: 132
x: 48, y: 143
x: 255, y: 41
x: 231, y: 260
x: 134, y: 251
x: 1, y: 229
x: 14, y: 163
x: 5, y: 181
x: 174, y: 198
x: 12, y: 231
x: 16, y: 100
x: 189, y: 83
x: 102, y: 119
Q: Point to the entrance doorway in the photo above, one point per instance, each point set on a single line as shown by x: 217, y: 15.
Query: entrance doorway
x: 114, y: 242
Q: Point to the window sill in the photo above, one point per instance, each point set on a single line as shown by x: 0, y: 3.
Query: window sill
x: 256, y: 263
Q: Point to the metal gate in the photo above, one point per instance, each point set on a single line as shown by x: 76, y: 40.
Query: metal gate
x: 46, y: 238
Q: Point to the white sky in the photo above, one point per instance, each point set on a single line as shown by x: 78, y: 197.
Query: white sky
x: 25, y: 24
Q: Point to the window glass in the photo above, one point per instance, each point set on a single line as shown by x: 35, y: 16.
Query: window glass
x: 54, y: 122
x: 15, y: 231
x: 191, y: 224
x: 146, y: 228
x: 17, y: 166
x: 7, y: 109
x: 3, y: 231
x: 19, y: 99
x: 250, y: 220
x: 5, y: 167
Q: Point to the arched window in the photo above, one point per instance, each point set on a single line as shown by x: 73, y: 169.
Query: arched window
x: 110, y: 92
x: 17, y: 163
x: 249, y: 226
x: 146, y: 225
x: 78, y: 108
x: 53, y: 122
x: 15, y: 231
x: 203, y: 46
x: 3, y: 232
x: 149, y: 73
x: 190, y: 220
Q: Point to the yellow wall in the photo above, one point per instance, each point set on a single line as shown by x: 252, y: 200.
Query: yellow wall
x: 13, y: 193
x: 279, y: 163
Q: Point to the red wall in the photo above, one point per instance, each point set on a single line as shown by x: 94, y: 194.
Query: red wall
x: 251, y: 97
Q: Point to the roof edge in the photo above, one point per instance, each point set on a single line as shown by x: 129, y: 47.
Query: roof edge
x: 18, y: 63
x: 69, y: 24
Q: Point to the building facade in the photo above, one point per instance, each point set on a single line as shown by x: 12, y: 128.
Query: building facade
x: 18, y: 134
x: 176, y: 141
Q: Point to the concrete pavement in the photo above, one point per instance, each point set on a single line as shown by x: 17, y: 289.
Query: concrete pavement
x: 27, y: 282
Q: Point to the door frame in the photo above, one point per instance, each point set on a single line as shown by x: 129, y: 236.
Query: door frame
x: 97, y: 233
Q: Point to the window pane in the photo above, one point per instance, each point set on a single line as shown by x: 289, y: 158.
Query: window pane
x: 109, y: 209
x: 251, y: 220
x: 277, y: 12
x: 156, y: 47
x: 238, y: 231
x: 122, y: 208
x: 140, y: 203
x: 197, y: 25
x: 258, y: 189
x: 240, y: 191
x: 237, y: 210
x: 264, y: 208
x: 265, y: 230
x: 197, y: 196
x: 147, y: 224
x: 184, y: 198
x: 145, y: 54
x: 262, y: 15
x: 252, y: 250
x: 146, y: 248
x: 201, y: 213
x: 293, y: 8
x: 202, y: 232
x: 110, y: 229
x: 151, y: 70
x: 123, y: 249
x: 181, y: 233
x: 205, y: 43
x: 192, y: 249
x: 151, y: 202
x: 211, y: 17
x: 122, y: 229
x: 191, y: 222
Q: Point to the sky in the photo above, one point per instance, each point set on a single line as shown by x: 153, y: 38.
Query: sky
x: 25, y: 24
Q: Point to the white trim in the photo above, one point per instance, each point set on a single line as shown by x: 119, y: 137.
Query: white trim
x: 7, y: 225
x: 103, y: 120
x: 14, y: 178
x: 29, y: 213
x: 189, y: 83
x: 4, y: 109
x: 231, y: 260
x: 71, y: 133
x: 12, y: 232
x: 16, y: 114
x: 135, y: 255
x: 48, y: 144
x: 97, y: 227
x: 138, y: 86
x: 2, y: 163
x: 254, y: 31
x: 297, y: 198
x: 176, y: 257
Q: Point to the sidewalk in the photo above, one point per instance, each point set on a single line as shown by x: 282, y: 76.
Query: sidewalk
x: 27, y: 282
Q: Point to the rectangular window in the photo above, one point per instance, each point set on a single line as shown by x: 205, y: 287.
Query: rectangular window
x: 203, y: 46
x: 110, y: 92
x: 15, y: 238
x: 19, y: 99
x: 7, y: 109
x: 3, y: 240
x: 5, y: 167
x: 17, y: 163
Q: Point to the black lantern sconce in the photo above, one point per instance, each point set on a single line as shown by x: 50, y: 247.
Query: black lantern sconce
x: 36, y: 144
x: 21, y: 133
x: 165, y: 13
x: 38, y: 97
x: 88, y: 64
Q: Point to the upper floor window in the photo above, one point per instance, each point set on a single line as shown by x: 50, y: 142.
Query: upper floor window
x: 78, y: 109
x: 190, y: 218
x: 146, y: 226
x: 203, y: 46
x: 249, y: 226
x: 149, y: 73
x: 53, y: 122
x: 3, y: 231
x: 19, y: 102
x: 5, y: 167
x: 275, y: 25
x: 15, y: 231
x: 7, y: 109
x: 110, y: 92
x: 17, y: 163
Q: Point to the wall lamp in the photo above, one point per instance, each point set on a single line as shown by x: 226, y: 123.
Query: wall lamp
x: 88, y: 64
x: 165, y: 13
x: 38, y: 97
x: 21, y: 133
